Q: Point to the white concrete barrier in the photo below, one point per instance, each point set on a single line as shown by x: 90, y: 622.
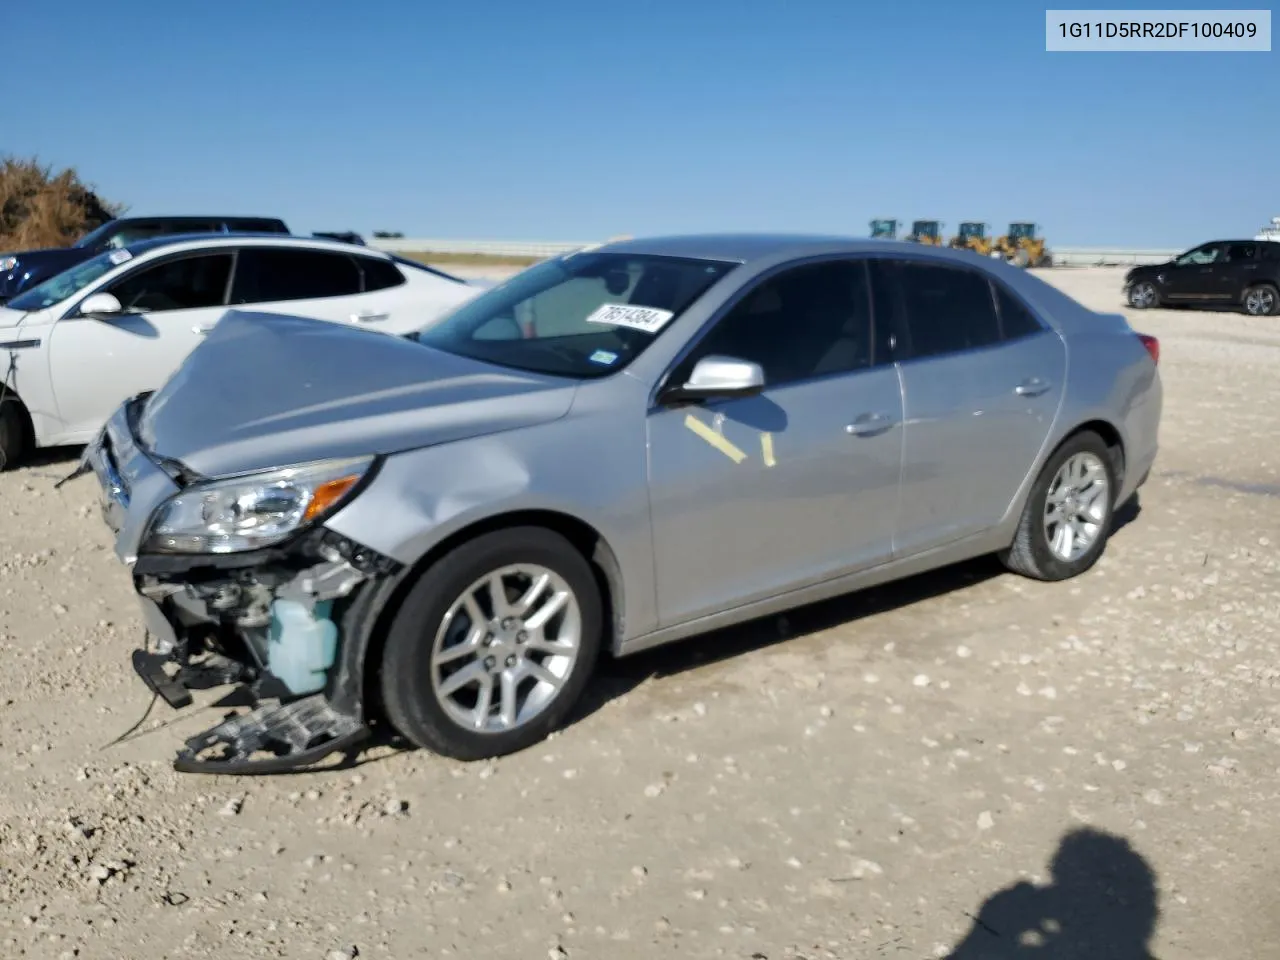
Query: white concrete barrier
x: 1062, y: 256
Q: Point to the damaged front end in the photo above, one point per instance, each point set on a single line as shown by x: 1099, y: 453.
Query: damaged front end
x: 271, y: 630
x: 268, y: 620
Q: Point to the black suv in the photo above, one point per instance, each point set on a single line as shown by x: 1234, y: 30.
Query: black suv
x: 1241, y: 273
x: 24, y: 269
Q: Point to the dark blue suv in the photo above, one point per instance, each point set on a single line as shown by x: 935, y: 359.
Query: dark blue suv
x: 24, y: 269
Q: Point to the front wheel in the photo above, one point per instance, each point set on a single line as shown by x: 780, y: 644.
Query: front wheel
x: 1143, y: 296
x: 1262, y: 301
x: 493, y: 645
x: 13, y: 434
x: 1067, y: 519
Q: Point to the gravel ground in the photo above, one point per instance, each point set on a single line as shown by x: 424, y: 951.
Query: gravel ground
x: 967, y: 764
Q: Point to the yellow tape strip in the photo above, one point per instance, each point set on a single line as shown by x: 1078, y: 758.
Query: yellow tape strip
x: 766, y: 449
x: 713, y: 438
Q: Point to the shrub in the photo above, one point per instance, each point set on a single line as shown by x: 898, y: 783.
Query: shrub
x: 41, y: 208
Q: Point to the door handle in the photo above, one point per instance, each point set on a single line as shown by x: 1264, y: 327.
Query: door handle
x: 870, y: 424
x: 202, y: 329
x: 1031, y: 387
x: 367, y: 317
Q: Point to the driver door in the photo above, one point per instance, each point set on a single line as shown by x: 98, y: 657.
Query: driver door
x: 754, y: 496
x: 96, y: 363
x: 1195, y: 275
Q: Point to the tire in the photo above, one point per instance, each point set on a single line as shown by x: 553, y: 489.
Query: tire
x: 436, y: 719
x: 1262, y: 300
x: 13, y: 432
x: 1143, y: 295
x: 1031, y: 553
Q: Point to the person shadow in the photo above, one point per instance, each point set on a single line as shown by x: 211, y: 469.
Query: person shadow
x: 1100, y: 905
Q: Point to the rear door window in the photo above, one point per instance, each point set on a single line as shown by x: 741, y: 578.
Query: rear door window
x: 944, y: 309
x: 265, y: 275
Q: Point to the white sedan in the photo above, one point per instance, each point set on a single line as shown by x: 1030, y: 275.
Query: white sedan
x: 74, y: 347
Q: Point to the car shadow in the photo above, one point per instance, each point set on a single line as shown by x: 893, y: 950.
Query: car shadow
x: 615, y: 677
x: 1102, y: 904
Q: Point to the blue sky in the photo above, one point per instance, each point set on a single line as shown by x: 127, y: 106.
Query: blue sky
x: 573, y: 120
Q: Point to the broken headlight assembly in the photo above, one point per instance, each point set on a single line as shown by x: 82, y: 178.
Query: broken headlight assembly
x: 252, y: 511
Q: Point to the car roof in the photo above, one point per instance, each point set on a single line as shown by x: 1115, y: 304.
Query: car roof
x: 246, y: 238
x: 750, y: 248
x: 178, y: 218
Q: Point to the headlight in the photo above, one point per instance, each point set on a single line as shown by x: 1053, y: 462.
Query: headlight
x: 7, y: 264
x: 251, y: 511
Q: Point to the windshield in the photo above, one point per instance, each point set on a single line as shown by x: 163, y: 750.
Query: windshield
x: 93, y: 237
x: 68, y: 283
x: 585, y: 315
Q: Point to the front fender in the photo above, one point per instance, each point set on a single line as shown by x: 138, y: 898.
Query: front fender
x: 590, y: 465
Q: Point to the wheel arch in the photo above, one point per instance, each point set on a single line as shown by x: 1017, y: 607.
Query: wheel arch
x: 359, y: 668
x: 1273, y: 283
x: 25, y: 423
x: 1110, y: 435
x: 1104, y: 428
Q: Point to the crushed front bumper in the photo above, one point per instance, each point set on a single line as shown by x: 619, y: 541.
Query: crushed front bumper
x: 212, y: 621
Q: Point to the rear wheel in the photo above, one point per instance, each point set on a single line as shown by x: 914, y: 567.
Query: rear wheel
x: 1067, y: 519
x: 494, y: 644
x: 1262, y: 301
x: 13, y: 432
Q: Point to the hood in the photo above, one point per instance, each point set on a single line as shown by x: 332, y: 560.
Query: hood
x: 36, y: 265
x: 269, y: 390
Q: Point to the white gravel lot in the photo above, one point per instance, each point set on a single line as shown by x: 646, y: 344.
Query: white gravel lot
x: 857, y: 780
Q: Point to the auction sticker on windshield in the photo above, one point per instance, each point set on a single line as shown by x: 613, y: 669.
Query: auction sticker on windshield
x: 119, y: 256
x: 648, y: 319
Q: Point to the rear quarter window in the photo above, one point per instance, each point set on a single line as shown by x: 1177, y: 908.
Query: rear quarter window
x: 379, y: 274
x: 1016, y: 321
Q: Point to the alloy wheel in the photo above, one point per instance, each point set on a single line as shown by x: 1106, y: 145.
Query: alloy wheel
x: 1142, y: 295
x: 1076, y: 506
x: 1260, y: 303
x: 505, y: 648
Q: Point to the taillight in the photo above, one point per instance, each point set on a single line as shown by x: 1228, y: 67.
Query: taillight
x: 1152, y: 345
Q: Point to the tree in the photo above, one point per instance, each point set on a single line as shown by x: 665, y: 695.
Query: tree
x: 388, y: 234
x: 41, y: 208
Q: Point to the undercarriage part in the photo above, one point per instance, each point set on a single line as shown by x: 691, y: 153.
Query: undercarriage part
x: 272, y: 739
x: 173, y: 688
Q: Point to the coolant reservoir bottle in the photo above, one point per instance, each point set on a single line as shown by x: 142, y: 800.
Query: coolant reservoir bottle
x: 301, y: 644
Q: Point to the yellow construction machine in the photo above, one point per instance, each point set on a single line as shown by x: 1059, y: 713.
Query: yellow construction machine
x: 1022, y: 247
x: 972, y: 236
x: 928, y: 232
x: 884, y: 229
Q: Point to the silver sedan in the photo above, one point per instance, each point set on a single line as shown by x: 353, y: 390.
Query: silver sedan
x: 615, y: 449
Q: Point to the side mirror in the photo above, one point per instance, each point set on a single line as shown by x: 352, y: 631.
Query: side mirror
x: 717, y: 376
x: 100, y: 305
